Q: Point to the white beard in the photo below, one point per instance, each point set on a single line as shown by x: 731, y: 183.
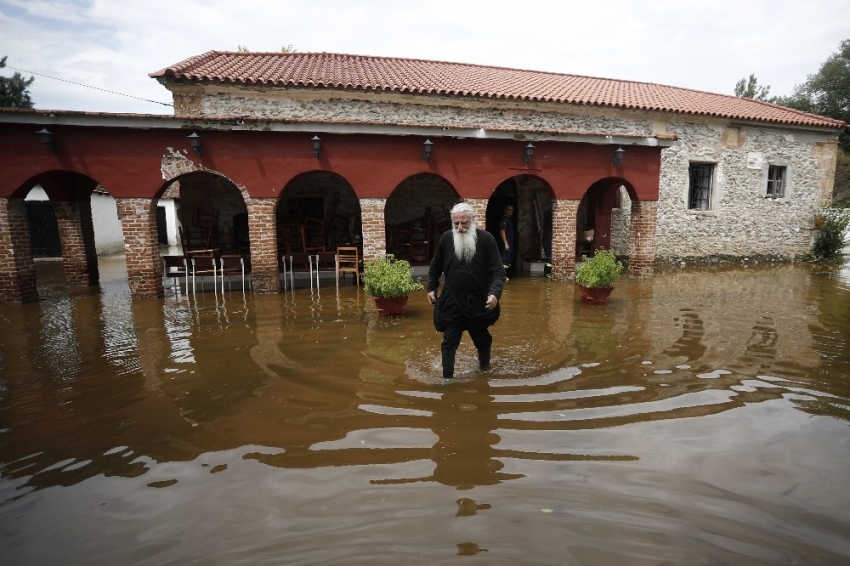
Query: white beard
x: 465, y: 244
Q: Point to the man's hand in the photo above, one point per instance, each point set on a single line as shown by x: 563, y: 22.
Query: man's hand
x: 432, y: 297
x: 492, y: 302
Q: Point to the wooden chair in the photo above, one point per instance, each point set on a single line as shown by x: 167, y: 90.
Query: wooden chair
x: 232, y: 265
x: 174, y: 266
x: 202, y: 266
x: 419, y: 245
x: 348, y: 261
x: 584, y: 246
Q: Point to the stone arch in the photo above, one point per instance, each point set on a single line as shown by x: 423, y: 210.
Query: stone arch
x: 416, y: 214
x: 531, y: 196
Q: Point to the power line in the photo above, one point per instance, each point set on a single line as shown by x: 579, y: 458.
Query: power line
x: 89, y: 86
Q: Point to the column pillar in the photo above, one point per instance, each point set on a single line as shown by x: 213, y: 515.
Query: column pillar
x: 17, y: 270
x: 141, y: 246
x: 374, y: 227
x: 642, y: 244
x: 262, y: 232
x: 564, y: 212
x: 76, y: 235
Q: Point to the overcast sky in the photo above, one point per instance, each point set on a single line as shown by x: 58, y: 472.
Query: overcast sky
x: 704, y: 45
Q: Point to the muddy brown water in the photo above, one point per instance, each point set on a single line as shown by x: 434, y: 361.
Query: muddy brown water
x: 703, y: 416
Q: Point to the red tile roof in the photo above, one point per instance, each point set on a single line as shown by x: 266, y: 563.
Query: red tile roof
x: 416, y: 76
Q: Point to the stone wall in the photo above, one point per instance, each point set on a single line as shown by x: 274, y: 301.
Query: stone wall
x: 741, y: 223
x: 17, y: 270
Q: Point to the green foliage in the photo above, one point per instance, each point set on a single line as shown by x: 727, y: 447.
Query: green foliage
x: 832, y: 225
x: 827, y: 92
x: 602, y: 270
x: 13, y: 90
x: 841, y: 186
x: 750, y: 88
x: 389, y: 277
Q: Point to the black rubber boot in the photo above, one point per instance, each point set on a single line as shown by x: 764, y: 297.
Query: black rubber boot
x: 484, y: 359
x: 448, y: 365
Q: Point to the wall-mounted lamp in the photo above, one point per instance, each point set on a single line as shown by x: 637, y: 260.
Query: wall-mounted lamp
x: 46, y: 137
x: 317, y: 145
x: 529, y: 151
x: 618, y: 156
x: 195, y: 140
x: 427, y: 144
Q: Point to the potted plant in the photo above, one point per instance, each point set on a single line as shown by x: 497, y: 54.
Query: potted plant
x: 595, y: 276
x: 390, y: 281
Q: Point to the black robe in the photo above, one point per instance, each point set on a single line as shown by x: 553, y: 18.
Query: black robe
x: 467, y: 284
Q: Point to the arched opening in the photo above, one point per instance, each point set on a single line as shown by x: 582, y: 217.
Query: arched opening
x: 318, y: 212
x: 603, y: 218
x: 58, y: 210
x: 43, y: 228
x: 211, y: 213
x: 531, y: 199
x: 416, y: 214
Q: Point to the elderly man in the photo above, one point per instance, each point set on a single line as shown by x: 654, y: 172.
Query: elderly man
x: 474, y: 278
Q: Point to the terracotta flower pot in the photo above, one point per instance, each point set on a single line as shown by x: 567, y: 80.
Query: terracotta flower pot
x: 395, y: 306
x: 595, y: 295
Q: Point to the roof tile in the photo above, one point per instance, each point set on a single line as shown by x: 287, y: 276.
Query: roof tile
x: 417, y: 76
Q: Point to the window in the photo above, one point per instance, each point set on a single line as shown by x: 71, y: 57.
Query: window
x: 776, y: 181
x: 699, y: 190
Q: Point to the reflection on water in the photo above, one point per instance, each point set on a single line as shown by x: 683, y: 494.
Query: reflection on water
x: 701, y: 415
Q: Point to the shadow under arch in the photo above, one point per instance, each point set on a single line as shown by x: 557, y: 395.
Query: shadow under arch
x: 59, y: 207
x: 416, y: 215
x: 317, y: 211
x: 210, y: 212
x: 531, y: 196
x: 606, y: 211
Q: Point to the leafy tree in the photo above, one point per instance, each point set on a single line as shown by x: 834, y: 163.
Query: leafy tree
x: 243, y: 49
x: 827, y: 92
x: 750, y: 88
x: 14, y: 90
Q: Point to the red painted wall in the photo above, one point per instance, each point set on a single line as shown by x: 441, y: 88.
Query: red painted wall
x: 127, y: 161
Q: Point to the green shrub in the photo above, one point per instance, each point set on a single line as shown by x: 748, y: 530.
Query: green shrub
x: 389, y: 277
x: 602, y: 270
x: 832, y: 226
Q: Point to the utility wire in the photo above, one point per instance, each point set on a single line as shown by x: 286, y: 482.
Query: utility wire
x: 89, y: 86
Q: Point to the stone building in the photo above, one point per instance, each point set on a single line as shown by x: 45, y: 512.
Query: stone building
x: 311, y: 150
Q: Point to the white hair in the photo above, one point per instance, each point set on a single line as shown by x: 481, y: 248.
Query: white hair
x: 462, y: 207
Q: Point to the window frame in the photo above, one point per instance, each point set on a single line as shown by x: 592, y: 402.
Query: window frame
x: 766, y: 184
x: 693, y: 204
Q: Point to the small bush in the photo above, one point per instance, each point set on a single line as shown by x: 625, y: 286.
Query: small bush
x: 389, y: 278
x: 602, y: 270
x: 832, y: 226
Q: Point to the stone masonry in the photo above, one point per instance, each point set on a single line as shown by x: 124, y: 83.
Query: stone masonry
x: 17, y: 270
x: 264, y: 253
x: 76, y: 234
x: 741, y: 222
x: 144, y: 267
x: 374, y: 239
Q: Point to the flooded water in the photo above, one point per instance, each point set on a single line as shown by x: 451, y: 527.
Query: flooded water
x: 703, y: 416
